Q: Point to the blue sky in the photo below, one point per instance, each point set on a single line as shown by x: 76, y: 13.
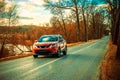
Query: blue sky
x: 34, y: 12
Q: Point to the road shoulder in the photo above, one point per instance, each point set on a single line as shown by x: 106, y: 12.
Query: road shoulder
x: 110, y: 67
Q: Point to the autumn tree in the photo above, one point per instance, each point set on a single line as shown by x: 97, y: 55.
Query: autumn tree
x: 114, y: 11
x: 59, y: 18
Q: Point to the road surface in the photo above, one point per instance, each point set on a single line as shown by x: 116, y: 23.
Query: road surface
x: 81, y: 63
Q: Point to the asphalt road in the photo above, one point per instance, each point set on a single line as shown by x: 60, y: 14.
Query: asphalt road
x: 81, y: 63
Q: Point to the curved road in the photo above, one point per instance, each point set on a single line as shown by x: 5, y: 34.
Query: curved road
x: 81, y: 63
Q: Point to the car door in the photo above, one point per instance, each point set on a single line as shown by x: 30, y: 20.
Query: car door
x: 61, y: 41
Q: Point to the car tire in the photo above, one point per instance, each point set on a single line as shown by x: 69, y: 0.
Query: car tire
x: 58, y: 53
x: 35, y: 56
x: 65, y: 51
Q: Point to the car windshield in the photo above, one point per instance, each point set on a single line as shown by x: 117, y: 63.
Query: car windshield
x: 48, y: 39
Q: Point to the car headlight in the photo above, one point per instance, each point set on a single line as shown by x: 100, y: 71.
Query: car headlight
x: 34, y: 46
x: 53, y: 45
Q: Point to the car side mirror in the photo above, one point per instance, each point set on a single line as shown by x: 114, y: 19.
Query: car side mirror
x: 60, y: 40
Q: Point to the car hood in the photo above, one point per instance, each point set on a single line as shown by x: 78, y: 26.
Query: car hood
x: 44, y: 43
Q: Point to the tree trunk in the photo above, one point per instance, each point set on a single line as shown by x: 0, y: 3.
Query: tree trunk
x: 115, y: 29
x: 78, y: 23
x: 115, y: 21
x: 86, y: 38
x: 118, y: 48
x: 1, y: 50
x: 94, y: 29
x: 118, y: 34
x: 64, y: 27
x: 2, y: 46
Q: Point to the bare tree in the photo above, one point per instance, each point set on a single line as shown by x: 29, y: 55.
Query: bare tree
x: 84, y: 15
x: 11, y: 15
x: 77, y: 16
x: 61, y: 20
x: 2, y: 7
x: 63, y: 4
x: 92, y: 19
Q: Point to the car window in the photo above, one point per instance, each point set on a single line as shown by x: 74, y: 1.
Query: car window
x: 60, y: 38
x: 48, y: 39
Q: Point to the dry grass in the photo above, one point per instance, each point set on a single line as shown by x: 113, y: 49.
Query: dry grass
x: 16, y: 56
x: 110, y: 67
x: 72, y: 44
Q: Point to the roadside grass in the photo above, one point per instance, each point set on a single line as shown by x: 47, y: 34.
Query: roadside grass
x: 25, y: 54
x: 110, y: 67
x: 72, y: 44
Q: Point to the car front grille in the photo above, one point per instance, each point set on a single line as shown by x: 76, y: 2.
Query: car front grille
x: 42, y: 46
x: 43, y: 52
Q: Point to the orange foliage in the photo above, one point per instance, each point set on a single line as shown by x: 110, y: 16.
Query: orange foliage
x: 26, y: 35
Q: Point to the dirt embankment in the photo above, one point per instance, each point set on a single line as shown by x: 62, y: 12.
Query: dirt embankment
x: 25, y: 54
x: 110, y: 67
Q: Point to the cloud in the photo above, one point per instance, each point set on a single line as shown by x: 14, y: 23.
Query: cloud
x: 37, y: 20
x: 37, y: 2
x: 32, y: 14
x: 107, y: 6
x: 8, y: 5
x: 25, y: 17
x: 32, y: 11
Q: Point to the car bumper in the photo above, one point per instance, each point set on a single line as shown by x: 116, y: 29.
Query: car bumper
x: 47, y: 51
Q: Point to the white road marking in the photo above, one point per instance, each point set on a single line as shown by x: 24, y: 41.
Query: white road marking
x: 41, y: 66
x: 12, y: 69
x: 83, y: 48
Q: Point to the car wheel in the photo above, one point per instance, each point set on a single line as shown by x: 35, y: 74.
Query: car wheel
x: 58, y: 53
x: 35, y: 56
x: 65, y: 51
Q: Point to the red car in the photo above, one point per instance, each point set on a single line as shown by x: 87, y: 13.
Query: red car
x: 50, y: 45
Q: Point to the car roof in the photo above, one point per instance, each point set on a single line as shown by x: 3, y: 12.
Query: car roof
x: 52, y: 35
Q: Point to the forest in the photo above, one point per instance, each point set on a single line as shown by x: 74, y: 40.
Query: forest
x: 86, y: 21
